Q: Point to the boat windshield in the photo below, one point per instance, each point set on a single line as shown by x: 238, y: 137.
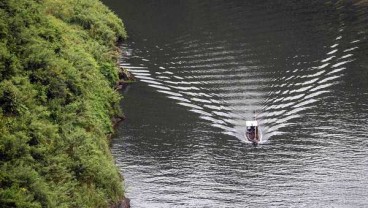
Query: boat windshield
x: 251, y: 128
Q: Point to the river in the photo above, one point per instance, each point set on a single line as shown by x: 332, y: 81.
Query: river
x: 205, y: 66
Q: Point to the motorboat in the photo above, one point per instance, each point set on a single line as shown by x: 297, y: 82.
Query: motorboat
x: 253, y: 132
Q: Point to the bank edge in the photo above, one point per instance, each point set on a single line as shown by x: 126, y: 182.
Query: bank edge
x: 58, y: 72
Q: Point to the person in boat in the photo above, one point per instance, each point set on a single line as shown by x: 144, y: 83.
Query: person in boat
x: 251, y: 133
x: 252, y: 136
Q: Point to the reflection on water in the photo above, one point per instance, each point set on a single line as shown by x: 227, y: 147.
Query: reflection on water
x: 205, y: 66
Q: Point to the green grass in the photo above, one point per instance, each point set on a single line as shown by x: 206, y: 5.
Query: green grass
x: 57, y: 73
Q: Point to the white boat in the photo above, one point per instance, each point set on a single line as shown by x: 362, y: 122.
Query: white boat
x: 253, y: 132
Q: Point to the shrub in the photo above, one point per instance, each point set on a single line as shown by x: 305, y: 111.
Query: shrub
x: 57, y: 69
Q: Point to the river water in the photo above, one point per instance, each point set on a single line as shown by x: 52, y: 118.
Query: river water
x: 205, y: 66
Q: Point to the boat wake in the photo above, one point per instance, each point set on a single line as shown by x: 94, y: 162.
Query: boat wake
x: 223, y: 86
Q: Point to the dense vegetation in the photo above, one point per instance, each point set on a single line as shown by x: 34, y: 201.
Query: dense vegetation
x: 57, y: 72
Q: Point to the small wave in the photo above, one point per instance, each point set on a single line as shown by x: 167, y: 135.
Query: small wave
x: 310, y: 81
x: 200, y: 100
x: 163, y: 77
x: 197, y: 94
x: 328, y: 59
x: 150, y: 81
x: 136, y: 71
x: 158, y: 86
x: 179, y: 98
x: 212, y: 119
x: 170, y: 93
x: 200, y: 112
x: 214, y: 107
x: 131, y: 68
x: 315, y: 94
x: 332, y: 52
x: 346, y: 56
x: 334, y: 45
x: 184, y: 88
x: 329, y: 79
x: 191, y: 105
x: 351, y: 49
x: 141, y: 74
x: 319, y: 87
x: 178, y: 77
x: 341, y: 63
x: 222, y: 114
x: 304, y: 103
x: 323, y: 66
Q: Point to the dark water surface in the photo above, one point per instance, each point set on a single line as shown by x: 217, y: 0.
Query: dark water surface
x: 205, y: 65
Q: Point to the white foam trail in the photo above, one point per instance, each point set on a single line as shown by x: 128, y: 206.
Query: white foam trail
x: 323, y: 66
x: 341, y: 63
x: 277, y: 113
x: 163, y: 77
x: 332, y: 52
x: 181, y: 82
x: 223, y: 114
x: 190, y: 105
x: 351, y: 49
x: 289, y: 78
x: 316, y: 94
x: 215, y: 101
x: 170, y: 93
x: 184, y: 88
x: 151, y: 82
x: 296, y: 110
x: 346, y: 56
x: 328, y: 79
x: 334, y: 46
x: 355, y: 41
x: 307, y: 102
x: 244, y: 93
x: 142, y: 78
x: 196, y: 94
x: 179, y: 98
x: 200, y: 112
x: 139, y: 71
x: 319, y: 87
x: 135, y: 67
x: 317, y: 74
x: 288, y: 118
x: 170, y: 82
x: 311, y: 81
x: 177, y: 77
x: 295, y: 97
x: 303, y: 89
x: 167, y: 72
x: 142, y: 74
x: 159, y: 87
x: 200, y: 100
x: 285, y: 105
x: 328, y: 59
x: 336, y: 70
x: 216, y: 107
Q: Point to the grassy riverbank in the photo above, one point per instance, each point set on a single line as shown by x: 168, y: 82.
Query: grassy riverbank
x: 57, y: 73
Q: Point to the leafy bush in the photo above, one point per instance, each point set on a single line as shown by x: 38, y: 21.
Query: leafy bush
x: 57, y: 69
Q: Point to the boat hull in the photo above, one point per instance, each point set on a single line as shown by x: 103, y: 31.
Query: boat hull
x: 255, y: 138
